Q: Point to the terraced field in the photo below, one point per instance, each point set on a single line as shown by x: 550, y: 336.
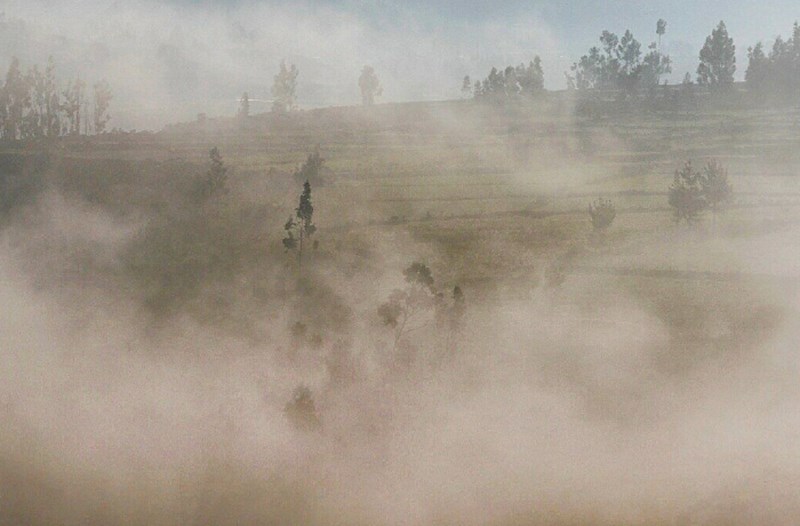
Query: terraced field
x: 520, y: 179
x: 630, y: 356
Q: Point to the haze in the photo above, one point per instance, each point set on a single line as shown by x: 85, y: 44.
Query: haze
x: 281, y: 263
x: 170, y: 60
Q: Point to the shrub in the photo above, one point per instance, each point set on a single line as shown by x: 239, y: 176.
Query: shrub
x: 686, y: 195
x: 602, y: 212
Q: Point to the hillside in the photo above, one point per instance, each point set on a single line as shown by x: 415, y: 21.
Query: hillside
x: 254, y: 384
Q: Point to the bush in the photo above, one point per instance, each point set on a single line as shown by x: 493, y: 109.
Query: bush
x: 602, y: 212
x: 686, y: 195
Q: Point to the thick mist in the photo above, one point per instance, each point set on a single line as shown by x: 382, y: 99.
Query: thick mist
x: 602, y: 400
x: 167, y: 358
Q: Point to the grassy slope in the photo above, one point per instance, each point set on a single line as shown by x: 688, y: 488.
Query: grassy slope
x: 491, y: 197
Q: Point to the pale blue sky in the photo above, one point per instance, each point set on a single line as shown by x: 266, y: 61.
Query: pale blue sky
x: 171, y: 59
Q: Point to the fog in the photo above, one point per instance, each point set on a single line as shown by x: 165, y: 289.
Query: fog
x: 169, y: 61
x: 156, y: 341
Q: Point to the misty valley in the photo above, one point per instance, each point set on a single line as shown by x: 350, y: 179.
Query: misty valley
x: 518, y: 304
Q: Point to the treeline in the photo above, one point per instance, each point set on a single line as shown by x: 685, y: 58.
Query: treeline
x: 34, y: 104
x: 623, y: 66
x: 619, y: 64
x: 776, y: 74
x: 512, y: 83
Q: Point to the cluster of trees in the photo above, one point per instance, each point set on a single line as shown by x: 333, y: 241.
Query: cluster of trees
x: 717, y: 59
x: 33, y: 105
x: 693, y: 192
x: 776, y: 73
x: 407, y: 310
x: 419, y: 305
x: 619, y: 64
x: 512, y: 83
x: 622, y: 64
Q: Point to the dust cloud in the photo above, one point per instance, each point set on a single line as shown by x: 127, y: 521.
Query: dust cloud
x: 165, y: 361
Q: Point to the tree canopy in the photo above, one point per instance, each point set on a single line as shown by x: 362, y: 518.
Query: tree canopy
x: 617, y: 64
x: 778, y: 73
x: 717, y: 59
x: 512, y: 83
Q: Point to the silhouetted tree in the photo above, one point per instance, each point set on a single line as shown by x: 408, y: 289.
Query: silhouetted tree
x: 244, y: 106
x: 777, y: 74
x: 284, y: 89
x: 618, y: 64
x: 301, y: 229
x: 370, y: 86
x: 655, y: 63
x: 758, y: 68
x: 717, y: 59
x: 33, y: 120
x: 512, y: 83
x: 615, y: 65
x: 407, y: 305
x: 590, y: 71
x: 686, y: 195
x: 310, y: 170
x: 73, y: 102
x: 715, y: 187
x: 215, y: 182
x: 102, y: 100
x: 52, y: 117
x: 661, y: 29
x: 16, y: 99
x: 466, y: 87
x: 628, y: 54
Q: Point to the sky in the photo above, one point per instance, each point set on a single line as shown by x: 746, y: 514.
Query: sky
x: 170, y: 60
